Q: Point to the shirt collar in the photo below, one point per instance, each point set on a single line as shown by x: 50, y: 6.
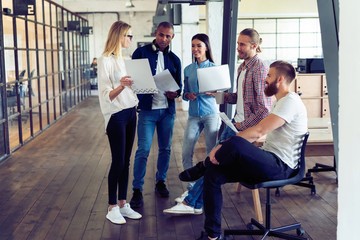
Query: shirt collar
x: 204, y: 63
x: 250, y: 63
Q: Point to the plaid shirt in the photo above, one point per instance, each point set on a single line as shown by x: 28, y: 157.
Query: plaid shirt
x: 256, y: 105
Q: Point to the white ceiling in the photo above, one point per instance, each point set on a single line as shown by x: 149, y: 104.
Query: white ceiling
x: 109, y: 5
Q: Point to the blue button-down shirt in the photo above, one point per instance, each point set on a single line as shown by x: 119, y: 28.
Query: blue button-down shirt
x: 203, y: 104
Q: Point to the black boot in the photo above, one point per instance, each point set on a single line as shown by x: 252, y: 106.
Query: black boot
x: 194, y: 173
x: 137, y: 200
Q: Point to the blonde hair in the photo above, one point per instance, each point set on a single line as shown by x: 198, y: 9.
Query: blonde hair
x: 116, y: 33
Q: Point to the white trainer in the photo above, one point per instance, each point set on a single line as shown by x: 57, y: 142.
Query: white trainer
x: 198, y: 211
x: 115, y: 216
x: 182, y: 197
x: 127, y: 211
x: 180, y: 208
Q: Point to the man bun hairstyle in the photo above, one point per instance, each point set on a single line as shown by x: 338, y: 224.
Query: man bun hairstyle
x: 254, y: 36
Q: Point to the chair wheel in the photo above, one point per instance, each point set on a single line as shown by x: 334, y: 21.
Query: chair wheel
x: 277, y: 192
x: 313, y: 192
x: 308, y: 174
x: 300, y: 232
x: 249, y: 226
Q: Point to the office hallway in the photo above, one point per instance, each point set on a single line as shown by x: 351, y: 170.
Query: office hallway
x: 55, y: 187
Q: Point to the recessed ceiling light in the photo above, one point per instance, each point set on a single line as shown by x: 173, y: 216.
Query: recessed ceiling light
x: 129, y: 4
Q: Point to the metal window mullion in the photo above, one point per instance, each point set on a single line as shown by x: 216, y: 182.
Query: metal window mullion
x: 52, y: 63
x: 64, y: 71
x: 59, y: 75
x: 16, y: 63
x: 45, y: 64
x: 4, y: 96
x: 29, y: 80
x: 38, y: 72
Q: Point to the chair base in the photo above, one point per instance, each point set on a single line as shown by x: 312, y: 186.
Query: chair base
x: 323, y: 168
x: 310, y: 184
x: 307, y: 182
x: 269, y: 232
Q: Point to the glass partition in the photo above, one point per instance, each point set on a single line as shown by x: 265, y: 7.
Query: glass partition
x: 40, y: 71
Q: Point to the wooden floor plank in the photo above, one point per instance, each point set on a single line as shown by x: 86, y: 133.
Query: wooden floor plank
x: 55, y: 187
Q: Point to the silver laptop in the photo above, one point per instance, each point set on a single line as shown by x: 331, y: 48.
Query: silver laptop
x: 215, y: 78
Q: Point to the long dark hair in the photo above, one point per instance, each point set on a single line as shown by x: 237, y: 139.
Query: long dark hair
x: 205, y: 39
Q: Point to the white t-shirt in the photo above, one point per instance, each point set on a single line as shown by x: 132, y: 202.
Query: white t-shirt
x: 110, y: 70
x: 239, y: 116
x: 284, y: 141
x: 159, y: 99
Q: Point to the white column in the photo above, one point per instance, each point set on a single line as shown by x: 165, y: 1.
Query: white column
x: 214, y: 25
x: 189, y: 27
x: 349, y: 115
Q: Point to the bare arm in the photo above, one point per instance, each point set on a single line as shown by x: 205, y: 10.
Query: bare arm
x: 268, y: 124
x: 124, y: 81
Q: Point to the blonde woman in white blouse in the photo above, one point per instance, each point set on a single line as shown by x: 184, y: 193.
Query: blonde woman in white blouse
x: 118, y: 105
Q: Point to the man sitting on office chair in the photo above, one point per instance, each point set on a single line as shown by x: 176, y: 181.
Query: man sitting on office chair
x: 237, y: 159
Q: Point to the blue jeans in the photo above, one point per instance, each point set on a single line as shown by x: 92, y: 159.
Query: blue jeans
x: 195, y: 195
x: 226, y: 133
x: 149, y: 120
x: 210, y: 124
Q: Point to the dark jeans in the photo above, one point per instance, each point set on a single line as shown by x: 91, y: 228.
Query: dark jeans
x: 239, y: 160
x: 121, y: 133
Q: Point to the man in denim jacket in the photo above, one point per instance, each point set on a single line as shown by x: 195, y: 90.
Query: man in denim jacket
x: 156, y: 111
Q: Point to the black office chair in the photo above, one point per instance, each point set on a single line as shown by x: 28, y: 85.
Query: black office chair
x: 319, y: 167
x: 307, y: 181
x: 267, y: 230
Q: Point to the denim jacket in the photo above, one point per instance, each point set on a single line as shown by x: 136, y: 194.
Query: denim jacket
x: 171, y: 62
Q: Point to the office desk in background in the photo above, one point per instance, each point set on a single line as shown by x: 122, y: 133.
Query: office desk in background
x: 320, y: 141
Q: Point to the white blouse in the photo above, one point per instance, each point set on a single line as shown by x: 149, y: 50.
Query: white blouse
x: 110, y: 70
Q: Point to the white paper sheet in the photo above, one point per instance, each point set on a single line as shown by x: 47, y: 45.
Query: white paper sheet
x: 140, y: 72
x: 165, y: 82
x: 215, y: 78
x: 227, y: 121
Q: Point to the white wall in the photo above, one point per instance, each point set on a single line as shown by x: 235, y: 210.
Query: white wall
x: 349, y: 128
x: 141, y: 23
x: 277, y: 8
x: 108, y: 5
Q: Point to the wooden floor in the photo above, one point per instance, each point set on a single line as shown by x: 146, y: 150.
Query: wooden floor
x: 55, y: 187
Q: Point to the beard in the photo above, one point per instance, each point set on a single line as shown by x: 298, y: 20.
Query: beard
x: 271, y: 89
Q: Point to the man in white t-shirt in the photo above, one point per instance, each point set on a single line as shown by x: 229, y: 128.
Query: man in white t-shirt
x: 237, y: 159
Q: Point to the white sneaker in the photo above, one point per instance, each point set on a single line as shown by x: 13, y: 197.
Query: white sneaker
x: 127, y: 211
x: 180, y: 208
x: 182, y: 197
x: 115, y: 216
x: 198, y: 211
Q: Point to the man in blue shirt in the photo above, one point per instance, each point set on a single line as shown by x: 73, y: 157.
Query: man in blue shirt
x: 156, y: 111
